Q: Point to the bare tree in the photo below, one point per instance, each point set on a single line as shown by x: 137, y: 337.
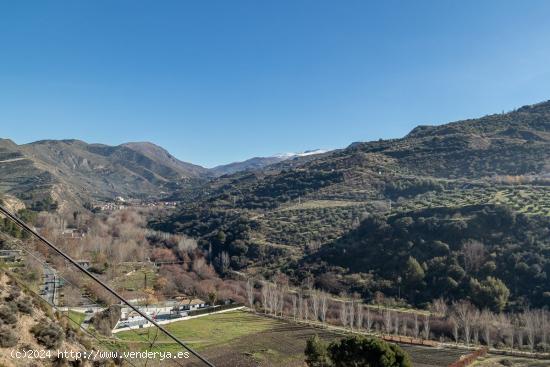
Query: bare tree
x: 294, y: 306
x: 281, y: 298
x: 388, y: 321
x: 306, y: 309
x: 476, y: 326
x: 426, y: 327
x: 250, y: 293
x: 454, y: 323
x: 315, y: 303
x: 343, y: 313
x: 506, y: 329
x: 530, y: 322
x: 404, y: 326
x: 439, y: 307
x: 359, y: 316
x: 473, y: 253
x: 351, y: 314
x: 543, y: 323
x: 486, y: 320
x: 273, y: 298
x: 396, y: 325
x: 224, y: 262
x: 416, y: 330
x: 300, y: 305
x: 464, y: 312
x: 187, y: 244
x: 369, y: 320
x: 324, y: 306
x: 265, y: 296
x: 518, y: 328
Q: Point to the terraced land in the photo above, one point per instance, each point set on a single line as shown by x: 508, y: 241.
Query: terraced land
x: 531, y: 200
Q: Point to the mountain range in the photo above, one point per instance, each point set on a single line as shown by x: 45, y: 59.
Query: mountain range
x: 359, y: 219
x: 414, y: 201
x: 75, y: 171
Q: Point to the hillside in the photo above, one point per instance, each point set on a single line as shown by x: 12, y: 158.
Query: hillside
x: 251, y: 164
x: 258, y: 163
x: 28, y: 323
x: 74, y: 171
x: 271, y: 219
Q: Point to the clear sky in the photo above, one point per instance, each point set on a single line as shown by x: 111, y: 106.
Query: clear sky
x: 220, y: 81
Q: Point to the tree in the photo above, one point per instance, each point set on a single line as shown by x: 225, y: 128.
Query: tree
x: 361, y: 351
x: 224, y: 262
x: 473, y: 253
x: 250, y: 293
x: 413, y: 277
x: 359, y: 315
x: 324, y: 306
x: 388, y: 321
x: 343, y: 313
x: 369, y: 320
x: 464, y: 313
x: 486, y: 322
x: 491, y: 293
x: 265, y: 296
x: 315, y: 303
x: 426, y: 327
x: 351, y: 314
x: 414, y: 273
x: 294, y: 306
x: 416, y: 330
x: 530, y: 321
x: 317, y: 353
x: 212, y: 297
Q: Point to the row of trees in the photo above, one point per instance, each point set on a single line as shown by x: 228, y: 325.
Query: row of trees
x: 459, y: 322
x: 528, y: 329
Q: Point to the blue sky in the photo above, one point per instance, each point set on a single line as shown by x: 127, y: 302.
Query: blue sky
x: 220, y: 81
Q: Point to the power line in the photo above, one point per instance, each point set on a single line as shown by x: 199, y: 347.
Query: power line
x: 74, y: 321
x: 23, y: 225
x: 92, y: 302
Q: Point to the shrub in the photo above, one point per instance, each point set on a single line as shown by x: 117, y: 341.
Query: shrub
x: 355, y: 351
x: 7, y: 337
x: 25, y: 305
x: 48, y: 334
x: 7, y: 315
x: 13, y: 294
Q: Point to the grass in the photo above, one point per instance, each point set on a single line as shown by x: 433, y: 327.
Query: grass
x: 240, y: 338
x: 134, y: 279
x: 76, y: 318
x: 205, y: 332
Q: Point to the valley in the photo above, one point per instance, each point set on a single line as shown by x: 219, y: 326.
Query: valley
x: 441, y: 236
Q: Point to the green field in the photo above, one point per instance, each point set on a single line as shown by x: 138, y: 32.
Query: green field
x: 205, y: 332
x: 233, y: 339
x: 240, y: 338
